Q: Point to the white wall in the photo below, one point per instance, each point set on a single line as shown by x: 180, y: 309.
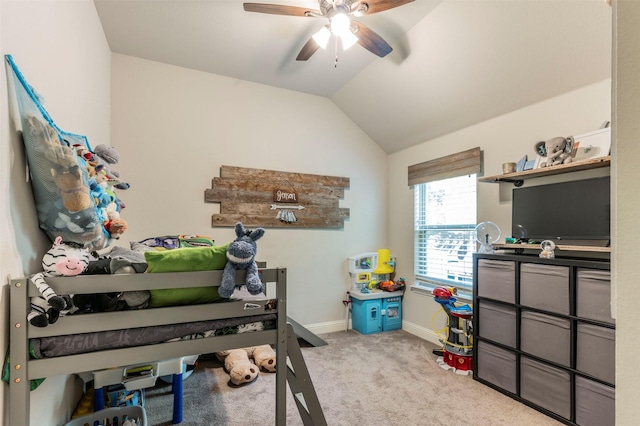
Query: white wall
x: 175, y: 127
x: 61, y: 50
x: 626, y: 157
x: 502, y: 139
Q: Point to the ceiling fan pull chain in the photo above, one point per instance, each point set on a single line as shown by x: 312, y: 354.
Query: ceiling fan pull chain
x: 335, y: 64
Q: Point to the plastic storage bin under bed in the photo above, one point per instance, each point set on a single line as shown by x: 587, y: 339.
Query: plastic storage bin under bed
x: 115, y: 416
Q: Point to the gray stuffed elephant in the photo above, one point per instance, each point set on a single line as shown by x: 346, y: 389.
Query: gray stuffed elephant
x: 557, y: 150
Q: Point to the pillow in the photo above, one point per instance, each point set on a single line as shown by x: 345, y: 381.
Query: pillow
x: 187, y: 259
x: 183, y: 260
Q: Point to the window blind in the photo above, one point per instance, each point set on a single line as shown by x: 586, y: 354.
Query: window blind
x: 444, y: 240
x: 459, y: 164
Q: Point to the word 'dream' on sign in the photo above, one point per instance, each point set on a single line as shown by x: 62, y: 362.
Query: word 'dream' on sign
x: 281, y: 196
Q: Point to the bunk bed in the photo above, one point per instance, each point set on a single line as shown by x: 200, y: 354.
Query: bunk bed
x: 24, y: 368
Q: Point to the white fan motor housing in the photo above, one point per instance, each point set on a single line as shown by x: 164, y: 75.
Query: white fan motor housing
x: 487, y: 233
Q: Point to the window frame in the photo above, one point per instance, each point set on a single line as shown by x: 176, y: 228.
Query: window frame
x: 447, y: 240
x: 467, y: 162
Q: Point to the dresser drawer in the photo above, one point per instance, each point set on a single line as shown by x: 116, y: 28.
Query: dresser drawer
x: 497, y: 280
x: 545, y: 287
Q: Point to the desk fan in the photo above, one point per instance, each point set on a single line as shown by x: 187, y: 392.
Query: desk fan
x: 487, y: 233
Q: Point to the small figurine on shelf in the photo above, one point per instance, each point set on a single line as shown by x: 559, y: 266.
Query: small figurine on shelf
x: 548, y: 249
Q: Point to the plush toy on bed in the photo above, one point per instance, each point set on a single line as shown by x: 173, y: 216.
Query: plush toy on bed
x: 241, y: 254
x: 62, y: 260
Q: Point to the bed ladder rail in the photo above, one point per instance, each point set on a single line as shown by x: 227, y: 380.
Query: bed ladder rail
x: 301, y: 385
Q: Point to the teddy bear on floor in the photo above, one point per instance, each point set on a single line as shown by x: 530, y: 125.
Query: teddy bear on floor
x: 264, y: 357
x: 240, y: 368
x: 241, y: 254
x: 238, y: 363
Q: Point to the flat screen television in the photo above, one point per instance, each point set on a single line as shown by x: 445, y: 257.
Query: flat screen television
x: 575, y: 210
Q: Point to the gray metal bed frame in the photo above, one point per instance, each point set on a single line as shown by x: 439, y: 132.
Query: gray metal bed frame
x: 24, y: 369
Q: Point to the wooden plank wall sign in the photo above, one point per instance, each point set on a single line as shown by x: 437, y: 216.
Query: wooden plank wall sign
x: 273, y: 199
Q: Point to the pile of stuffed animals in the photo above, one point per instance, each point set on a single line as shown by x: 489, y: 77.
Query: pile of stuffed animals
x: 102, y: 184
x: 67, y: 259
x: 74, y: 187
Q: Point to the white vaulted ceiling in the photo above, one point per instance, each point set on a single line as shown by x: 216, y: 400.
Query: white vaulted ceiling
x: 455, y: 63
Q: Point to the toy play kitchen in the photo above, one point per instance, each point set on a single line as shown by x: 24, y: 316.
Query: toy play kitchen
x: 376, y: 300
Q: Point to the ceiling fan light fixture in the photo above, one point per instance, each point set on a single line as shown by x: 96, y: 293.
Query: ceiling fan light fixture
x: 338, y: 13
x: 348, y: 40
x: 340, y: 24
x: 322, y: 37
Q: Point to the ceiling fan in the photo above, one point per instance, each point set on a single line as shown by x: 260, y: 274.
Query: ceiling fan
x: 339, y: 13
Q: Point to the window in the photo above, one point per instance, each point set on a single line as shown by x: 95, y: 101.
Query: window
x: 445, y: 221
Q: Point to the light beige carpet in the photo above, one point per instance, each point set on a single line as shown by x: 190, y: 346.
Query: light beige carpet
x: 386, y: 379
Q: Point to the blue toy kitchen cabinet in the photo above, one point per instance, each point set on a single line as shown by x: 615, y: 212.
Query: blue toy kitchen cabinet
x: 376, y: 312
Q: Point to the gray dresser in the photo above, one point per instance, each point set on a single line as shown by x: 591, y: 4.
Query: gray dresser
x: 544, y: 335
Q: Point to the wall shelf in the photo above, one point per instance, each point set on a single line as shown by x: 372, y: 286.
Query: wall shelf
x: 564, y: 247
x: 517, y: 178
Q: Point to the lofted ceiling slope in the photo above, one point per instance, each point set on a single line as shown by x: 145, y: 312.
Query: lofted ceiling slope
x: 455, y: 63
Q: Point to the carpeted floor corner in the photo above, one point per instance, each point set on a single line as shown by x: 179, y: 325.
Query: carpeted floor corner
x: 385, y: 379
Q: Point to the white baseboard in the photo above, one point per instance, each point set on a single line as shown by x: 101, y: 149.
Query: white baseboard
x: 327, y: 327
x: 422, y: 332
x: 411, y: 328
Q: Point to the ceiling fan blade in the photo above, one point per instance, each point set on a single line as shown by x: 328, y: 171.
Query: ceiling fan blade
x: 278, y: 9
x: 375, y: 6
x: 307, y: 50
x: 370, y: 40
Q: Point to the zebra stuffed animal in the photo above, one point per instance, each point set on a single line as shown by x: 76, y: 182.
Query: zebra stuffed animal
x: 62, y: 260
